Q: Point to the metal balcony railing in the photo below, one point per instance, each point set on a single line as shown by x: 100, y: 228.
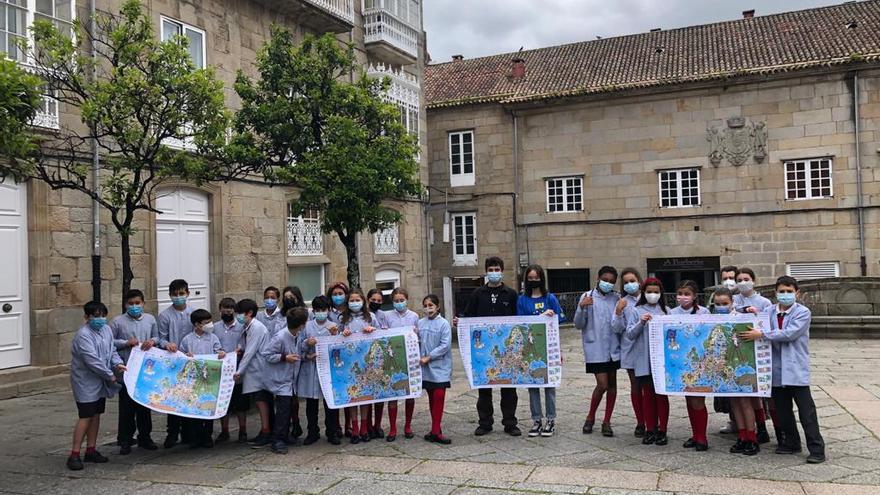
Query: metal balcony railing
x: 304, y: 236
x: 382, y: 26
x: 387, y: 241
x: 343, y: 9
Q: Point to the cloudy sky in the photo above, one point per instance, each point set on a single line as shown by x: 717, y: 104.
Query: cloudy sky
x: 475, y: 28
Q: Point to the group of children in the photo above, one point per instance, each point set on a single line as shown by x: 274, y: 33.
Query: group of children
x: 275, y: 349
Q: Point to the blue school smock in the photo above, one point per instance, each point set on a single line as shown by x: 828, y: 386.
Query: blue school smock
x: 279, y: 375
x: 637, y: 332
x: 273, y: 322
x: 308, y: 386
x: 195, y: 344
x: 93, y: 359
x: 356, y: 323
x: 529, y: 306
x: 253, y: 363
x: 395, y: 319
x: 678, y: 310
x: 600, y: 343
x: 619, y: 325
x: 756, y: 300
x: 334, y: 315
x: 435, y: 340
x: 791, y: 345
x: 173, y: 325
x: 229, y: 335
x: 125, y: 327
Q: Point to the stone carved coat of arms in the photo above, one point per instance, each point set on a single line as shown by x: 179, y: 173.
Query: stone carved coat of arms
x: 737, y: 141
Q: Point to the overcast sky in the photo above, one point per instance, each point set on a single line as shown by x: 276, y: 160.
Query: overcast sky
x: 475, y: 28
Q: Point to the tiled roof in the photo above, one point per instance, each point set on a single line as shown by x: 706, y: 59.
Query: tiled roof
x: 842, y: 34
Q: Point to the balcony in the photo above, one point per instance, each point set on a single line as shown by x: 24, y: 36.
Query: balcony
x: 321, y: 16
x: 304, y: 236
x: 404, y: 92
x: 387, y: 241
x: 47, y: 114
x: 391, y: 30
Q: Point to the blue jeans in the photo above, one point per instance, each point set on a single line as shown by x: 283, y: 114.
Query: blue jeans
x: 535, y: 403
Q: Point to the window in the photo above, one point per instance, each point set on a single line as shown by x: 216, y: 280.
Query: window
x: 808, y: 179
x: 806, y: 271
x: 565, y: 194
x: 387, y: 281
x: 679, y: 188
x: 58, y: 12
x: 461, y: 158
x: 17, y: 15
x: 304, y: 236
x: 568, y: 280
x: 309, y: 279
x: 195, y: 36
x: 386, y: 241
x: 464, y: 243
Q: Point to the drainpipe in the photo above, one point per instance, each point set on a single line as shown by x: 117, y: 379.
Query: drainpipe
x: 516, y: 186
x: 863, y: 264
x: 96, y: 182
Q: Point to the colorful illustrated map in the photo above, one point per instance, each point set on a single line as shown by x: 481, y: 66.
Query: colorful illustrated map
x: 368, y: 368
x: 198, y: 387
x: 511, y: 351
x: 702, y: 355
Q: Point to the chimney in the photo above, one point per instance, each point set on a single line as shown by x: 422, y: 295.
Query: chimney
x: 655, y: 30
x: 457, y: 58
x: 748, y: 14
x: 518, y: 68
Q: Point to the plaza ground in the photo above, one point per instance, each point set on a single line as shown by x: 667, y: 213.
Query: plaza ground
x: 35, y: 435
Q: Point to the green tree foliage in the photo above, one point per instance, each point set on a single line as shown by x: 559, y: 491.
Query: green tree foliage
x: 19, y: 101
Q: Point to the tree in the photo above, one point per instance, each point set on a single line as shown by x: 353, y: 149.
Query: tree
x: 19, y: 101
x: 301, y: 124
x: 135, y: 95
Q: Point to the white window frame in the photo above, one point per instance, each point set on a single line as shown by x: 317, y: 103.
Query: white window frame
x: 678, y: 187
x: 835, y: 265
x: 465, y: 259
x: 385, y: 276
x: 790, y: 166
x: 183, y: 28
x: 462, y: 178
x: 567, y: 203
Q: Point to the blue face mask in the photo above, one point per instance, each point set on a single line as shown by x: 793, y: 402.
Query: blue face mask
x: 178, y: 300
x: 97, y: 323
x: 722, y: 310
x: 135, y: 311
x: 400, y: 306
x: 320, y: 316
x: 785, y: 298
x: 239, y: 318
x: 355, y: 307
x: 631, y: 288
x: 494, y: 277
x: 338, y: 300
x: 271, y: 304
x: 606, y: 287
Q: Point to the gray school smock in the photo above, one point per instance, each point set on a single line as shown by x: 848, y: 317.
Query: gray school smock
x: 395, y: 319
x: 271, y: 321
x: 125, y: 327
x: 279, y: 375
x: 173, y: 325
x: 618, y: 326
x: 637, y: 332
x: 755, y: 300
x: 229, y: 335
x: 93, y: 358
x: 435, y: 340
x: 334, y: 315
x: 308, y: 386
x: 195, y: 344
x: 357, y: 324
x: 678, y: 310
x: 253, y: 363
x: 791, y: 345
x: 600, y: 343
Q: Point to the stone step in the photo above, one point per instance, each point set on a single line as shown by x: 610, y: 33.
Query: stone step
x: 20, y: 374
x: 845, y: 327
x: 44, y: 384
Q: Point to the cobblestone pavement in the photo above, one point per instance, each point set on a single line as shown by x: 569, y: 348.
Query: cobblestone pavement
x: 35, y: 432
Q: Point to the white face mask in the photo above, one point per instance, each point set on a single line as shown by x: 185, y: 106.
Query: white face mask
x: 745, y: 286
x: 729, y: 283
x: 208, y: 327
x: 652, y: 297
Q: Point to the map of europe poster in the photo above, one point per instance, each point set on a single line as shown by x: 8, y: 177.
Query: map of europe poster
x: 197, y: 387
x: 512, y: 351
x: 366, y: 368
x: 703, y: 355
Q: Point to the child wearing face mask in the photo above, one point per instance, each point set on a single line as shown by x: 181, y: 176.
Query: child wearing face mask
x: 601, y: 346
x: 283, y: 364
x: 624, y: 314
x: 400, y: 316
x: 337, y: 295
x: 357, y: 318
x: 655, y: 408
x: 201, y: 341
x: 252, y: 367
x: 272, y: 317
x: 435, y: 346
x: 291, y: 297
x: 686, y: 296
x: 722, y: 404
x: 229, y: 332
x: 174, y: 324
x: 308, y: 386
x: 535, y: 300
x: 375, y: 299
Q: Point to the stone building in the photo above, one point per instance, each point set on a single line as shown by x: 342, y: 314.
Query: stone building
x: 225, y: 239
x: 751, y: 142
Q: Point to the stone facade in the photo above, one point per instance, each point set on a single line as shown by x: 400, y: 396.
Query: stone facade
x: 248, y: 221
x: 619, y: 143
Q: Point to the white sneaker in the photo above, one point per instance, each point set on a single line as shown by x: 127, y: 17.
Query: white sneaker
x: 536, y: 428
x: 549, y: 428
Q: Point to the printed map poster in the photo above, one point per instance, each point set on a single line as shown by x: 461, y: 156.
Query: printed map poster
x: 373, y: 367
x: 511, y: 351
x: 702, y: 355
x: 198, y: 387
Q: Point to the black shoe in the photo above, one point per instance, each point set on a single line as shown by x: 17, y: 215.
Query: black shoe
x: 74, y: 463
x: 147, y: 444
x: 429, y: 437
x: 815, y: 458
x: 365, y: 437
x: 207, y: 443
x: 480, y: 431
x: 124, y: 449
x: 410, y: 435
x: 222, y: 437
x: 296, y: 431
x: 347, y: 433
x: 291, y: 440
x: 442, y: 440
x: 536, y: 428
x: 738, y: 448
x: 588, y: 427
x: 355, y: 439
x: 260, y: 441
x: 660, y: 438
x: 606, y: 430
x: 170, y: 441
x: 279, y: 447
x: 639, y: 431
x: 701, y: 447
x: 763, y: 436
x: 512, y: 431
x: 310, y: 439
x: 334, y: 440
x: 242, y: 437
x: 95, y: 457
x: 786, y: 450
x: 689, y: 443
x: 391, y: 438
x: 549, y: 428
x: 378, y: 433
x: 751, y: 448
x: 649, y: 438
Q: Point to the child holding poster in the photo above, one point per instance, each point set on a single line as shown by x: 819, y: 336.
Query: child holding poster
x: 630, y: 285
x: 283, y: 361
x: 686, y: 296
x: 202, y: 340
x: 400, y: 316
x: 356, y: 318
x: 308, y: 385
x: 435, y: 343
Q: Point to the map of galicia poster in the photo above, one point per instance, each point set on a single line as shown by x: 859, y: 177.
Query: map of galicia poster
x: 373, y: 367
x: 511, y: 351
x: 199, y: 387
x: 702, y: 355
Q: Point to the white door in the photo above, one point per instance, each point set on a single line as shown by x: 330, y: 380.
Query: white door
x: 15, y: 335
x: 182, y: 245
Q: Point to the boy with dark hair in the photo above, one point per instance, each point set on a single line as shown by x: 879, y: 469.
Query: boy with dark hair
x: 94, y: 363
x: 308, y: 386
x: 201, y: 341
x: 252, y: 368
x: 229, y: 332
x: 789, y: 334
x: 174, y: 324
x: 272, y: 317
x: 283, y: 359
x: 130, y: 329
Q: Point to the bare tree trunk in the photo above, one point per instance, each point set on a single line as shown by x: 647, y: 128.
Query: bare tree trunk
x: 127, y: 274
x: 351, y: 251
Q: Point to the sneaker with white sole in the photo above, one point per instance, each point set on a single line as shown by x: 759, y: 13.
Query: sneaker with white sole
x: 549, y: 428
x: 536, y: 428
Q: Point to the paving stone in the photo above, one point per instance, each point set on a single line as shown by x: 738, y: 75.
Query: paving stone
x: 189, y: 475
x: 363, y: 463
x: 838, y: 489
x: 357, y: 487
x: 725, y: 486
x: 287, y: 482
x: 594, y: 477
x: 495, y: 472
